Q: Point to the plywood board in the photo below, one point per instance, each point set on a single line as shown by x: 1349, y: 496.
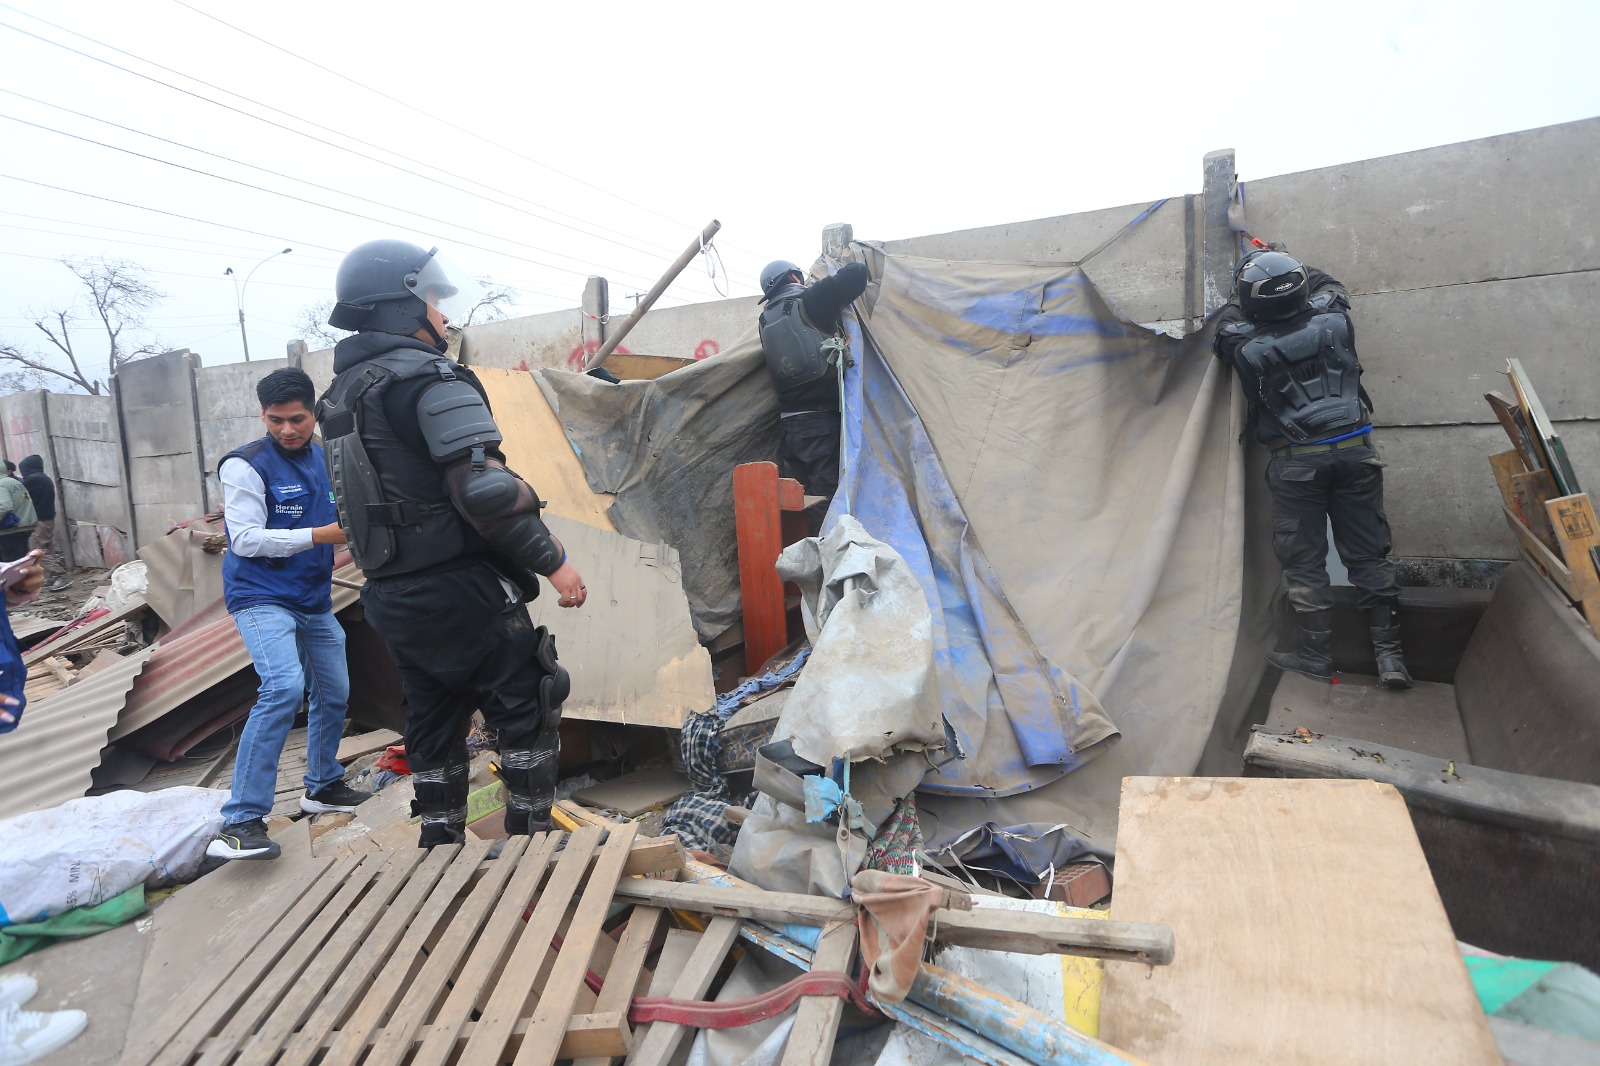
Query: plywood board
x: 1307, y: 928
x: 631, y: 649
x: 635, y: 793
x: 536, y: 447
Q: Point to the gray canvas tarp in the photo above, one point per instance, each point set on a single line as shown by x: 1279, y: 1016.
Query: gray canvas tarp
x: 1067, y: 486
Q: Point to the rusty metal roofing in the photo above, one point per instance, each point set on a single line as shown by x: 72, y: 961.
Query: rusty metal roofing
x: 49, y: 757
x: 198, y: 655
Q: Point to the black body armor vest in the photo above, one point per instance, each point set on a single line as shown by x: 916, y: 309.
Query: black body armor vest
x: 794, y: 348
x: 393, y: 502
x: 1302, y: 376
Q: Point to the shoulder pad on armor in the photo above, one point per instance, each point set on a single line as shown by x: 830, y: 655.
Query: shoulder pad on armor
x: 454, y: 420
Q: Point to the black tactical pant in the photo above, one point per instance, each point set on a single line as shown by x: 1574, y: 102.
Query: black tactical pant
x: 1343, y: 488
x: 461, y: 646
x: 808, y: 451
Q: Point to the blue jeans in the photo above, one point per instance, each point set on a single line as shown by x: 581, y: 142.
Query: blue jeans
x: 292, y: 651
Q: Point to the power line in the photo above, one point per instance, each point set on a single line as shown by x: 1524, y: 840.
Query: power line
x: 300, y: 133
x: 174, y: 214
x: 264, y: 170
x: 147, y: 233
x: 180, y: 273
x: 442, y: 121
x: 302, y: 199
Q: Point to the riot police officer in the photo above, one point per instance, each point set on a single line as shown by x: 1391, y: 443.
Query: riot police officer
x: 1287, y: 334
x: 799, y: 327
x: 449, y: 538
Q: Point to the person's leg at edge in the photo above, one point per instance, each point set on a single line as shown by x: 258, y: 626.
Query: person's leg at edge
x: 1300, y: 541
x: 269, y: 636
x: 322, y: 651
x: 1361, y: 535
x: 521, y: 689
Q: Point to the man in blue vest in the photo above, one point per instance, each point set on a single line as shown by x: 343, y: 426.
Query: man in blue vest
x: 276, y: 580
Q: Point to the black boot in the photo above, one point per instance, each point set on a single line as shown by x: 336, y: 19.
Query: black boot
x: 1386, y: 648
x: 1314, y: 657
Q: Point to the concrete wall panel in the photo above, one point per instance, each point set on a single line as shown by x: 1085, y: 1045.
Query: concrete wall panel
x: 1440, y: 494
x: 1431, y: 354
x: 1501, y: 207
x: 89, y: 473
x: 547, y: 340
x: 160, y: 423
x: 230, y: 415
x: 1144, y: 272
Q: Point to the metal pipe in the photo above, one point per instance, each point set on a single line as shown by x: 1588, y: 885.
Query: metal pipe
x: 655, y: 292
x: 1017, y: 1027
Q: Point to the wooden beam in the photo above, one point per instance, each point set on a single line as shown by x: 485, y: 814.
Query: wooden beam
x: 816, y: 1019
x: 662, y: 1041
x: 759, y: 531
x: 1533, y: 490
x: 1542, y: 557
x: 1506, y: 464
x: 995, y: 930
x: 1573, y: 520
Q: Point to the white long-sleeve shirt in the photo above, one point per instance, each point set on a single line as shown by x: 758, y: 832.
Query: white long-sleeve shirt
x: 244, y: 507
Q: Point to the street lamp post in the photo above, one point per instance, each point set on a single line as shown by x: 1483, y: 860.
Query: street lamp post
x: 238, y: 296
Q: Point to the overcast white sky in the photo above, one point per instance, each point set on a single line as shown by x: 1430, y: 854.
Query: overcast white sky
x: 625, y: 126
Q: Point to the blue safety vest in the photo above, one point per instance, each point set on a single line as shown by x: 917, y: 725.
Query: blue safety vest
x: 298, y: 497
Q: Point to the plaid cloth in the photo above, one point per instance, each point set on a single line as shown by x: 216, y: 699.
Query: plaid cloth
x: 697, y: 816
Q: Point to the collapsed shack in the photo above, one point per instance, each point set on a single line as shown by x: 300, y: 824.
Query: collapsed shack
x: 1033, y: 613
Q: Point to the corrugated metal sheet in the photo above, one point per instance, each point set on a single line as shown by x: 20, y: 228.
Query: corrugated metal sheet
x: 49, y: 757
x: 200, y: 654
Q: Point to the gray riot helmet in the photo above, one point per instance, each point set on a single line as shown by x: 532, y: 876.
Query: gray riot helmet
x: 1270, y: 285
x: 388, y: 286
x: 775, y: 274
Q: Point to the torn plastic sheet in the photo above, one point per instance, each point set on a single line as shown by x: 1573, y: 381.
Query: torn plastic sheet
x: 868, y: 691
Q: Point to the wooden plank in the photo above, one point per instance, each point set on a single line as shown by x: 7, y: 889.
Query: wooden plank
x: 1541, y: 557
x: 280, y: 981
x: 520, y: 879
x: 1310, y: 927
x: 1031, y: 934
x: 658, y: 1046
x: 537, y: 448
x: 1533, y: 490
x: 627, y: 975
x: 636, y: 793
x: 355, y: 1035
x: 1574, y: 522
x: 566, y: 977
x: 203, y: 1009
x: 445, y: 870
x: 760, y: 537
x: 220, y: 966
x: 366, y: 743
x: 1509, y: 414
x: 404, y: 883
x: 1504, y: 465
x: 816, y: 1019
x: 509, y: 997
x: 1549, y: 442
x: 633, y: 643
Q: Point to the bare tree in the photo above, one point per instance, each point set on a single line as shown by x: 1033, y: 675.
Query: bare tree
x: 120, y: 294
x: 311, y: 324
x: 24, y: 380
x: 496, y: 302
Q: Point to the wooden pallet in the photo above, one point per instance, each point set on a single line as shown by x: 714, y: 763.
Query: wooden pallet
x: 423, y: 956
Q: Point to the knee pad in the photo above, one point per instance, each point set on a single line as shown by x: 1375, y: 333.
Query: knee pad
x: 556, y: 685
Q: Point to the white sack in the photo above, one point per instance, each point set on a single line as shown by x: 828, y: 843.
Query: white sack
x: 87, y: 850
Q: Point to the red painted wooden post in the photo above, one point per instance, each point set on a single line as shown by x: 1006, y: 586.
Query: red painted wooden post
x: 758, y: 525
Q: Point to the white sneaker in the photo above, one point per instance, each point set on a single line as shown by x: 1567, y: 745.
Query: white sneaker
x: 16, y: 989
x: 26, y: 1035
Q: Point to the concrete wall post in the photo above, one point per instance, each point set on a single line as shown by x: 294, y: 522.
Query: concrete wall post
x: 596, y: 307
x: 1218, y: 244
x: 298, y: 350
x: 836, y: 237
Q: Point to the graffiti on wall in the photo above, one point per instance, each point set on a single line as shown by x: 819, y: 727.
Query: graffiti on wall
x: 585, y: 351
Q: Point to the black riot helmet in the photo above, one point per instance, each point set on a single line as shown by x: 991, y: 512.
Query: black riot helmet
x: 1270, y: 285
x: 775, y: 274
x: 387, y: 287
